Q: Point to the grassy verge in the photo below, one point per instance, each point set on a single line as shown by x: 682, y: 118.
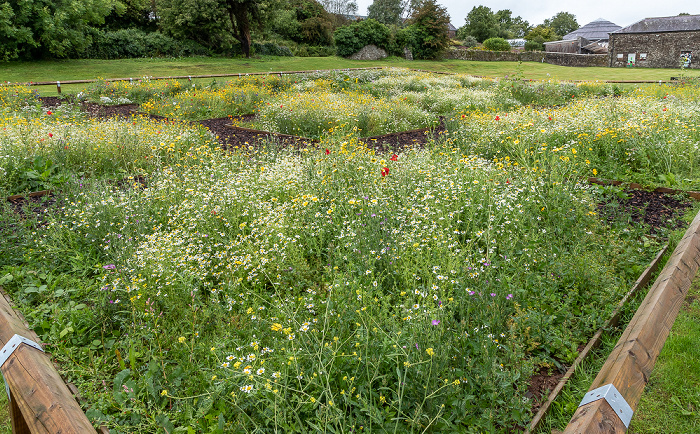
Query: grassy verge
x: 87, y: 69
x: 671, y: 401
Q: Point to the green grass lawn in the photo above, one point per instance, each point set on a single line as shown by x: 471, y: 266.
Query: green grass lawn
x: 63, y: 70
x: 671, y: 400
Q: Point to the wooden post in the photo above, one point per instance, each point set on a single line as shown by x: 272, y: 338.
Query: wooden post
x: 629, y: 365
x: 40, y: 402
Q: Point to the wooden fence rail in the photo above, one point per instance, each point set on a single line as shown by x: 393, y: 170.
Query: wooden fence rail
x: 630, y: 363
x: 40, y: 402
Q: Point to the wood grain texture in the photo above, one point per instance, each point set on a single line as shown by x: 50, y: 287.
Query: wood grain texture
x: 630, y: 363
x: 41, y: 402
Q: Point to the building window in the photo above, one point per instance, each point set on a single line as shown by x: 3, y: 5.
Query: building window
x: 642, y: 56
x: 620, y: 56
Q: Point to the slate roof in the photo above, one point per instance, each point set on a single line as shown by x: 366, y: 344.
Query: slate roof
x: 594, y: 31
x: 682, y: 23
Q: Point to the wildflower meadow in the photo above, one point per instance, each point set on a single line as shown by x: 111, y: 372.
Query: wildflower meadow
x: 331, y: 288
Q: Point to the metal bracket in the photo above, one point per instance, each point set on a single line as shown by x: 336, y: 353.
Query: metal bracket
x: 10, y: 348
x: 618, y: 403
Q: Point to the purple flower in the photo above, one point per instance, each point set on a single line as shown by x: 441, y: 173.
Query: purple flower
x: 509, y: 296
x: 493, y: 294
x: 109, y: 267
x: 436, y: 322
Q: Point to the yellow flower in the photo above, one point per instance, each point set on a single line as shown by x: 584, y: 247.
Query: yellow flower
x: 164, y: 392
x: 181, y: 339
x: 430, y: 352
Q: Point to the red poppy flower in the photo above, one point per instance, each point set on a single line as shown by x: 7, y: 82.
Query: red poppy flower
x: 394, y: 157
x: 49, y: 113
x: 497, y: 118
x: 50, y: 135
x: 550, y: 118
x: 385, y: 171
x: 328, y: 152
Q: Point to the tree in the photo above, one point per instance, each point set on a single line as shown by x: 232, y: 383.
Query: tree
x: 541, y: 34
x: 428, y: 27
x: 213, y: 23
x: 480, y: 23
x: 387, y: 11
x: 139, y: 14
x: 60, y: 28
x: 510, y: 27
x: 562, y: 23
x: 340, y: 7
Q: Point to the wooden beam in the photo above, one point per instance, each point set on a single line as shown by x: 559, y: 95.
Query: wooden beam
x: 629, y: 365
x: 40, y: 402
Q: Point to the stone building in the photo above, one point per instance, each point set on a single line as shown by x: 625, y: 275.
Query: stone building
x: 589, y: 39
x: 663, y: 42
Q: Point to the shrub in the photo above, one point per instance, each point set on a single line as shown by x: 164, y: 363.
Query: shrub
x: 534, y: 46
x: 497, y: 44
x: 128, y: 43
x: 470, y: 41
x: 270, y: 49
x: 350, y: 39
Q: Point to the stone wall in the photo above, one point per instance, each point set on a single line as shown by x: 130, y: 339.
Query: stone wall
x: 563, y: 59
x: 573, y: 59
x: 494, y: 56
x: 654, y: 50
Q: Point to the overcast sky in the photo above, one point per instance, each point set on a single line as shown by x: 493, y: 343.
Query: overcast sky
x: 620, y: 12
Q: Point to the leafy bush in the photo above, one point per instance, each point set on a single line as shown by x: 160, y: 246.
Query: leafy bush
x: 497, y: 44
x: 534, y: 46
x: 470, y: 41
x: 128, y: 43
x: 350, y: 39
x: 270, y: 49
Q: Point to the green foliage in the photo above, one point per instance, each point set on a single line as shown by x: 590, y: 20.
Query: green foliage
x: 43, y: 28
x: 128, y: 43
x: 203, y: 21
x: 216, y: 24
x: 510, y: 27
x: 534, y: 45
x: 497, y: 44
x: 270, y: 49
x: 470, y: 41
x: 481, y: 23
x: 132, y: 14
x: 304, y: 22
x: 429, y: 30
x: 387, y: 11
x: 562, y: 23
x: 542, y: 34
x: 350, y: 39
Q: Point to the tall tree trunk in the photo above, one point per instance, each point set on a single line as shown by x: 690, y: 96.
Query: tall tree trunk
x: 241, y: 14
x: 238, y: 14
